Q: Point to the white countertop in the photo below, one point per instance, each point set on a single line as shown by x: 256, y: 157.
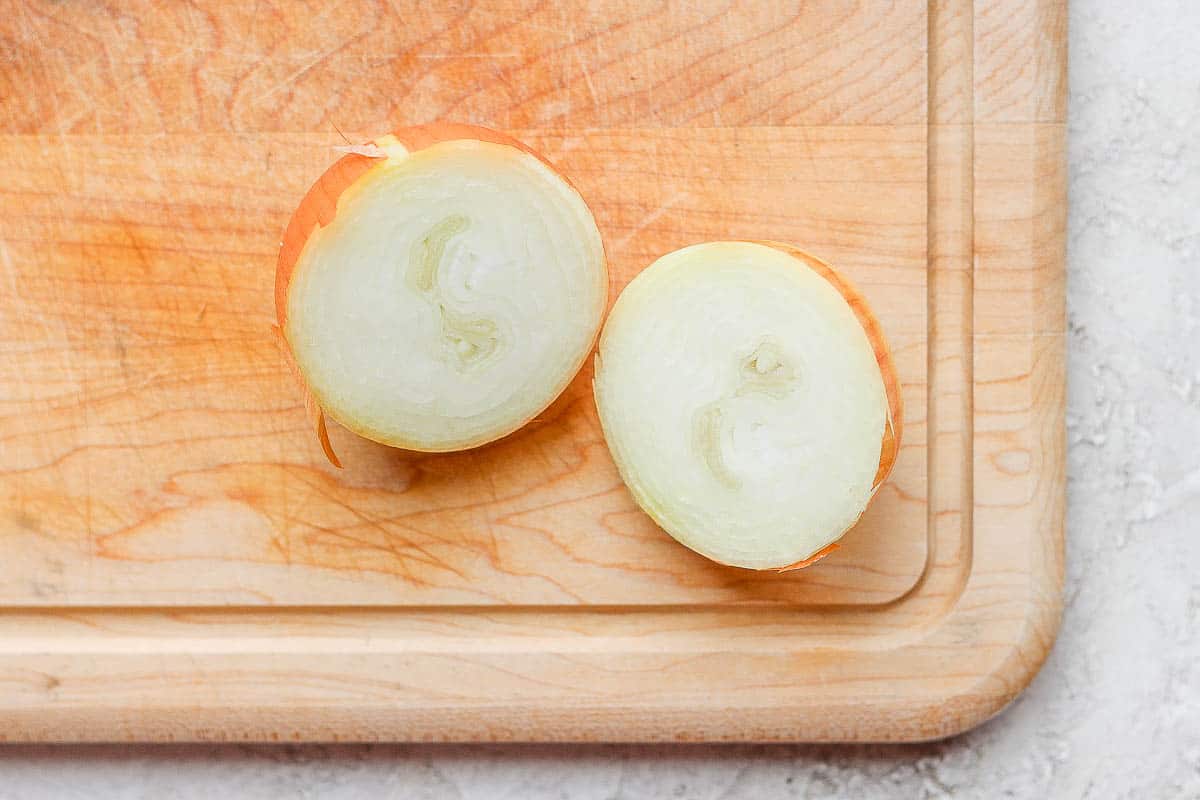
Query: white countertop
x: 1115, y: 713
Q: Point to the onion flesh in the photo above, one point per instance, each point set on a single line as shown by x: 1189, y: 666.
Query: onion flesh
x: 749, y: 401
x: 453, y: 293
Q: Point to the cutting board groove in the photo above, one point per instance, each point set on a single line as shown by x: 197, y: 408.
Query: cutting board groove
x: 178, y: 562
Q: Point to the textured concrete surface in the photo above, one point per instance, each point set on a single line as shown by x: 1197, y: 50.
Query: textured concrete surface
x: 1116, y: 711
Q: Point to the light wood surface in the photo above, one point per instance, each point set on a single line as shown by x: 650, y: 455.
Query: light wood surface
x: 177, y: 561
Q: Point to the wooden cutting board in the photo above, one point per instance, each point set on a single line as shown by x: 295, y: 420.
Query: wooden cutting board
x: 177, y: 560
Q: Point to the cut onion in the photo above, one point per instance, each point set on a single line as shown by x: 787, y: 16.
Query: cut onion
x: 439, y: 287
x: 749, y: 400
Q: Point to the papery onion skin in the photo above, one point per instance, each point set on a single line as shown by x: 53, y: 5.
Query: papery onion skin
x: 659, y: 506
x: 319, y: 208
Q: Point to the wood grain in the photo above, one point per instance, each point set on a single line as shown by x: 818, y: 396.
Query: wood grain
x: 155, y: 465
x: 508, y: 64
x: 184, y: 445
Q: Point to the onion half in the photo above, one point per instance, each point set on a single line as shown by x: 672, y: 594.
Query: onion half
x: 749, y: 400
x: 438, y: 288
